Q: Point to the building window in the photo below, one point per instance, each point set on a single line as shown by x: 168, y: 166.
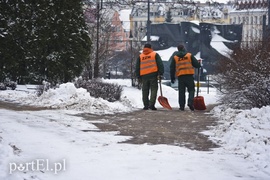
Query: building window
x: 261, y: 19
x: 256, y: 20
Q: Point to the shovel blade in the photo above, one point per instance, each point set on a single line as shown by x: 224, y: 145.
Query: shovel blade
x: 199, y: 103
x: 163, y: 101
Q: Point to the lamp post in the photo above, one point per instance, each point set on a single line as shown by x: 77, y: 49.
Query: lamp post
x: 266, y: 28
x: 96, y: 63
x: 131, y: 59
x: 268, y: 14
x: 148, y: 21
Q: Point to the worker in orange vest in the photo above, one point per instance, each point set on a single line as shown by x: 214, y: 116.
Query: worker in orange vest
x: 182, y: 66
x: 149, y: 69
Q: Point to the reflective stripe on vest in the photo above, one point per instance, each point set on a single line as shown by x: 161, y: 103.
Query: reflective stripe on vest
x: 148, y: 63
x: 183, y: 65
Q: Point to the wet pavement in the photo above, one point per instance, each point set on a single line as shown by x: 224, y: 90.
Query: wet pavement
x: 172, y: 127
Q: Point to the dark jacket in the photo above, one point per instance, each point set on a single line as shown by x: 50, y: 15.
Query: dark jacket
x: 181, y: 54
x: 159, y: 65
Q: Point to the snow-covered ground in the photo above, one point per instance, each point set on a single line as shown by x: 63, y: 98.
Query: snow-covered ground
x: 53, y: 144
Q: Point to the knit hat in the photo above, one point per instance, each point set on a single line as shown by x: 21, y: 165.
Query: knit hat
x: 147, y: 46
x: 181, y: 47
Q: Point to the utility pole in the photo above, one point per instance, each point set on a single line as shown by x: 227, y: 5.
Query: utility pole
x: 131, y: 59
x: 148, y: 22
x: 96, y: 63
x: 266, y: 28
x: 268, y: 15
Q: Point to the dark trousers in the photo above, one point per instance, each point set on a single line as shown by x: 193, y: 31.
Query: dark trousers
x: 186, y: 82
x: 149, y: 85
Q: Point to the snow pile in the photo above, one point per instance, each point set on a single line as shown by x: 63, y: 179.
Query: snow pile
x: 64, y: 96
x: 246, y: 133
x: 67, y: 96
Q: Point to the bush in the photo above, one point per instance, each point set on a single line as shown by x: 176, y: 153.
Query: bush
x: 44, y: 87
x: 3, y: 86
x: 107, y: 91
x: 245, y: 77
x: 8, y: 84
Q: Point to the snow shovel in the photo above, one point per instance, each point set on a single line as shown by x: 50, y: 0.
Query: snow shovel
x: 163, y: 101
x: 199, y: 100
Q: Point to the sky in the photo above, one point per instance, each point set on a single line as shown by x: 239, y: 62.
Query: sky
x: 50, y: 144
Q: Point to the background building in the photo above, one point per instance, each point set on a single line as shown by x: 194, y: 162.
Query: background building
x: 178, y: 11
x: 250, y: 13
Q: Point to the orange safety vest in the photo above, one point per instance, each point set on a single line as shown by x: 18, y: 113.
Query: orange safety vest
x: 183, y: 65
x: 148, y: 63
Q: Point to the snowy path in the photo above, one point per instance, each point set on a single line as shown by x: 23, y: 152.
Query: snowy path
x: 179, y: 128
x: 54, y: 137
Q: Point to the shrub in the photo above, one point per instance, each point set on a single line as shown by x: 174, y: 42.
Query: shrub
x: 245, y: 77
x: 96, y: 88
x: 8, y: 84
x: 44, y: 87
x: 3, y: 86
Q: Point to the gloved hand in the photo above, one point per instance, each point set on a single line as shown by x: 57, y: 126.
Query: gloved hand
x: 159, y: 77
x: 139, y: 79
x: 172, y: 80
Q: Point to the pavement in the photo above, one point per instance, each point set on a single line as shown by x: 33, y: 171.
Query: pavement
x: 172, y: 127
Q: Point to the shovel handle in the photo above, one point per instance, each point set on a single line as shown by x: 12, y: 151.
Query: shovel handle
x: 198, y: 81
x: 160, y: 87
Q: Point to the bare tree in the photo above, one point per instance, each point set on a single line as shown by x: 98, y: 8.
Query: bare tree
x: 98, y: 15
x: 245, y: 76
